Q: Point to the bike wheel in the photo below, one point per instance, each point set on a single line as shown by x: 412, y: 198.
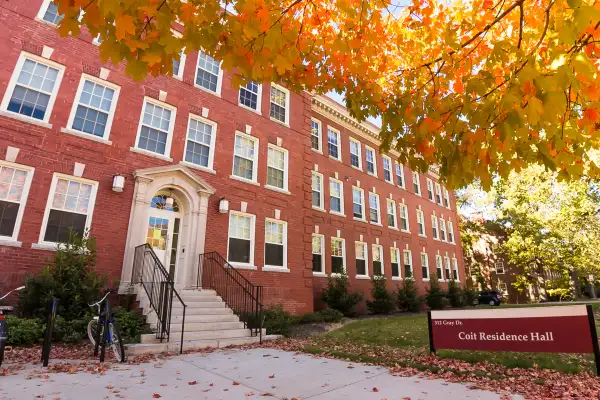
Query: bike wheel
x: 116, y: 342
x: 92, y: 331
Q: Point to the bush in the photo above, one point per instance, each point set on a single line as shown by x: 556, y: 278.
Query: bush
x: 455, y: 294
x: 327, y: 315
x: 277, y: 321
x: 69, y: 331
x: 131, y: 324
x: 436, y: 298
x: 337, y: 296
x: 407, y: 298
x: 470, y: 296
x: 70, y: 278
x: 383, y: 302
x: 23, y: 331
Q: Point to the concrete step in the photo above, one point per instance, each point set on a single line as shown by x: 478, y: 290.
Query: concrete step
x: 199, y: 304
x: 200, y: 335
x: 202, y: 298
x: 201, y: 311
x: 206, y: 326
x: 137, y: 349
x: 176, y: 319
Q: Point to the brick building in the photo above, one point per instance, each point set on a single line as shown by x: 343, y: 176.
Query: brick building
x: 298, y: 173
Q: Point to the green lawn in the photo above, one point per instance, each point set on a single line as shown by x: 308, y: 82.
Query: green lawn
x: 380, y: 339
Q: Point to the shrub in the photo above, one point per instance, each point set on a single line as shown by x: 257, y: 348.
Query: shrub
x: 327, y: 315
x: 435, y: 295
x: 310, y: 318
x: 338, y: 296
x: 131, y: 324
x: 69, y: 331
x: 470, y: 296
x: 407, y: 298
x: 277, y: 321
x: 455, y: 294
x: 70, y: 278
x: 383, y: 302
x: 23, y: 331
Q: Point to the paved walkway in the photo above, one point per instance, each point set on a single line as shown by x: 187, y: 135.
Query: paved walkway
x: 236, y: 374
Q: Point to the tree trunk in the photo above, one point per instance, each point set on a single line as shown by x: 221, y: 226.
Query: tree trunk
x: 574, y: 281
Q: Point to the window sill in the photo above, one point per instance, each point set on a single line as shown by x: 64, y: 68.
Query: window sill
x: 43, y: 21
x: 87, y: 136
x: 279, y: 122
x: 237, y: 178
x: 418, y: 194
x: 390, y: 182
x: 357, y: 168
x: 45, y: 246
x: 319, y: 209
x: 404, y: 231
x: 360, y: 220
x: 23, y: 118
x: 372, y: 174
x: 423, y: 236
x: 337, y: 214
x: 334, y: 159
x: 179, y: 78
x: 150, y: 154
x: 206, y: 90
x: 336, y: 275
x: 363, y: 277
x: 249, y: 109
x: 10, y: 243
x: 425, y: 279
x: 237, y: 265
x: 276, y: 189
x: 396, y: 278
x: 270, y: 268
x: 401, y: 187
x: 320, y: 274
x: 317, y: 151
x: 393, y: 228
x: 198, y: 167
x: 376, y: 223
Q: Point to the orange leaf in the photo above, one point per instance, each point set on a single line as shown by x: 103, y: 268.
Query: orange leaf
x: 459, y: 87
x: 124, y: 25
x: 188, y: 10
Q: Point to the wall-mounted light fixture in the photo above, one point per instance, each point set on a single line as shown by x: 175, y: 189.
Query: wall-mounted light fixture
x: 118, y: 183
x: 223, y: 205
x: 169, y: 201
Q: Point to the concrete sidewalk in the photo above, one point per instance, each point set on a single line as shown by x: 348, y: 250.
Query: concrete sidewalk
x: 236, y: 374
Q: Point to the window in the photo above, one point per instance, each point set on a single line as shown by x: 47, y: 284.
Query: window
x: 400, y: 175
x: 395, y: 261
x: 404, y: 225
x: 245, y: 157
x: 448, y: 269
x: 421, y: 223
x: 155, y: 130
x: 333, y: 143
x: 315, y: 138
x: 455, y: 268
x: 336, y: 196
x: 387, y: 169
x: 200, y: 142
x: 443, y: 229
x: 70, y: 206
x: 391, y: 214
x: 355, y: 156
x: 361, y: 259
x: 240, y: 248
x: 49, y: 12
x: 450, y: 232
x: 33, y: 86
x: 438, y: 193
x: 358, y: 203
x: 377, y: 260
x: 502, y: 286
x: 370, y: 158
x: 430, y: 189
x: 250, y: 96
x: 275, y: 243
x: 279, y: 109
x: 337, y: 255
x: 446, y: 198
x: 178, y: 65
x: 499, y: 267
x: 94, y: 107
x: 407, y: 259
x: 416, y: 183
x: 277, y: 168
x: 374, y: 214
x: 439, y: 267
x: 318, y: 258
x: 15, y: 181
x: 208, y: 73
x: 434, y: 227
x: 317, y: 190
x: 425, y: 265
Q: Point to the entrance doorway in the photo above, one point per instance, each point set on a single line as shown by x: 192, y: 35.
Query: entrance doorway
x: 164, y: 223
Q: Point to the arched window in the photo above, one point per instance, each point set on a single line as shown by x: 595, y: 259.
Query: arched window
x: 160, y: 202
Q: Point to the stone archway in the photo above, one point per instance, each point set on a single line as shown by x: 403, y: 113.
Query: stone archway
x: 192, y: 193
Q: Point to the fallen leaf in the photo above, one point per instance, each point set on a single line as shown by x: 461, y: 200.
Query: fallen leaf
x: 235, y: 383
x: 156, y: 396
x: 375, y: 389
x: 192, y: 383
x: 249, y: 394
x: 163, y: 384
x: 211, y: 385
x: 271, y: 376
x: 350, y: 367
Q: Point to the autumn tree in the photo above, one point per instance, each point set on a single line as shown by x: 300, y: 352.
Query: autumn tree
x: 478, y: 87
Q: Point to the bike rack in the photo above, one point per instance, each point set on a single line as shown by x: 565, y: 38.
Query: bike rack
x: 52, y: 306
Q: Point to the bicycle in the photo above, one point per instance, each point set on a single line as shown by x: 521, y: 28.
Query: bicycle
x: 3, y: 325
x: 113, y: 336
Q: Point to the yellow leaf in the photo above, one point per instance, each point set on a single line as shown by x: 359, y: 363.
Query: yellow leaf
x: 152, y: 58
x: 124, y: 25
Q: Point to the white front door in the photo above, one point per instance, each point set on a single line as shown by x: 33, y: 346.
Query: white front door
x: 162, y: 232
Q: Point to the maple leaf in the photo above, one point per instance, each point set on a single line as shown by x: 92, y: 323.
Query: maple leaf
x: 271, y: 376
x: 375, y: 389
x: 235, y: 383
x: 156, y: 396
x: 192, y: 383
x: 124, y: 25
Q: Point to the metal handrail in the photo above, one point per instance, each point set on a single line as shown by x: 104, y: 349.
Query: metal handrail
x: 149, y: 271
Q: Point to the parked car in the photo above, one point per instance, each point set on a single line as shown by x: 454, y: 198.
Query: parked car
x: 491, y: 297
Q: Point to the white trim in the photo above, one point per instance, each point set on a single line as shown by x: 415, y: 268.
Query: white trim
x: 322, y: 239
x: 258, y: 99
x: 42, y: 12
x: 284, y: 240
x: 198, y: 167
x: 182, y: 57
x: 360, y: 166
x: 447, y: 199
x: 400, y: 167
x: 13, y: 82
x: 378, y: 202
x: 422, y: 215
x: 438, y: 192
x: 412, y: 268
x: 219, y: 76
x: 380, y: 247
x: 447, y: 268
x: 399, y: 260
x: 395, y: 214
x: 237, y: 264
x: 389, y: 160
x: 286, y: 168
x: 92, y: 201
x: 343, y: 255
x: 435, y: 229
x: 426, y: 265
x: 339, y: 143
x: 362, y: 199
x: 87, y: 136
x: 12, y: 240
x: 443, y: 233
x: 438, y: 257
x: 367, y: 149
x: 321, y: 206
x: 509, y: 313
x: 173, y: 110
x: 150, y: 154
x: 430, y: 190
x: 417, y: 182
x: 211, y: 150
x: 341, y: 211
x: 319, y: 135
x: 256, y: 142
x: 455, y: 268
x: 287, y: 104
x: 366, y: 251
x: 111, y: 113
x: 404, y: 207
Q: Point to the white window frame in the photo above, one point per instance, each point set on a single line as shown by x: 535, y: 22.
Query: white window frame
x: 258, y: 99
x: 213, y: 138
x: 12, y: 240
x: 502, y: 286
x: 417, y: 183
x: 447, y: 268
x: 450, y: 232
x: 426, y: 265
x: 322, y: 240
x: 342, y: 211
x: 430, y: 190
x: 319, y: 135
x: 266, y: 266
x: 286, y: 168
x: 339, y: 143
x: 438, y: 192
x: 13, y: 82
x: 321, y: 206
x: 443, y: 233
x: 219, y: 77
x: 42, y: 12
x: 88, y: 222
x: 378, y: 203
x: 111, y: 112
x: 237, y: 264
x: 287, y: 104
x: 435, y: 229
x: 499, y: 262
x: 439, y: 264
x: 380, y: 247
x: 367, y: 149
x: 447, y: 198
x: 392, y: 203
x: 389, y: 160
x: 399, y: 167
x: 343, y: 255
x: 400, y: 262
x: 366, y: 252
x: 421, y: 223
x: 256, y: 141
x: 167, y: 155
x: 412, y: 268
x: 362, y: 199
x: 405, y: 208
x: 359, y: 144
x: 182, y: 57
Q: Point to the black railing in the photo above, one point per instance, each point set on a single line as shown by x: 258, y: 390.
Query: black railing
x: 160, y: 289
x: 244, y: 298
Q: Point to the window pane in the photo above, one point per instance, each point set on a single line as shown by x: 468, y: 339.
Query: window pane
x: 278, y: 104
x: 337, y: 265
x: 317, y: 263
x: 315, y: 137
x: 249, y: 95
x: 395, y: 269
x: 52, y: 14
x: 239, y: 250
x: 361, y: 267
x: 59, y: 222
x: 274, y: 254
x: 333, y: 143
x: 240, y: 226
x: 377, y: 270
x: 207, y: 74
x: 8, y: 217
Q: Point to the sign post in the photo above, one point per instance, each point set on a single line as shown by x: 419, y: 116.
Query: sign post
x: 429, y: 325
x: 594, y: 336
